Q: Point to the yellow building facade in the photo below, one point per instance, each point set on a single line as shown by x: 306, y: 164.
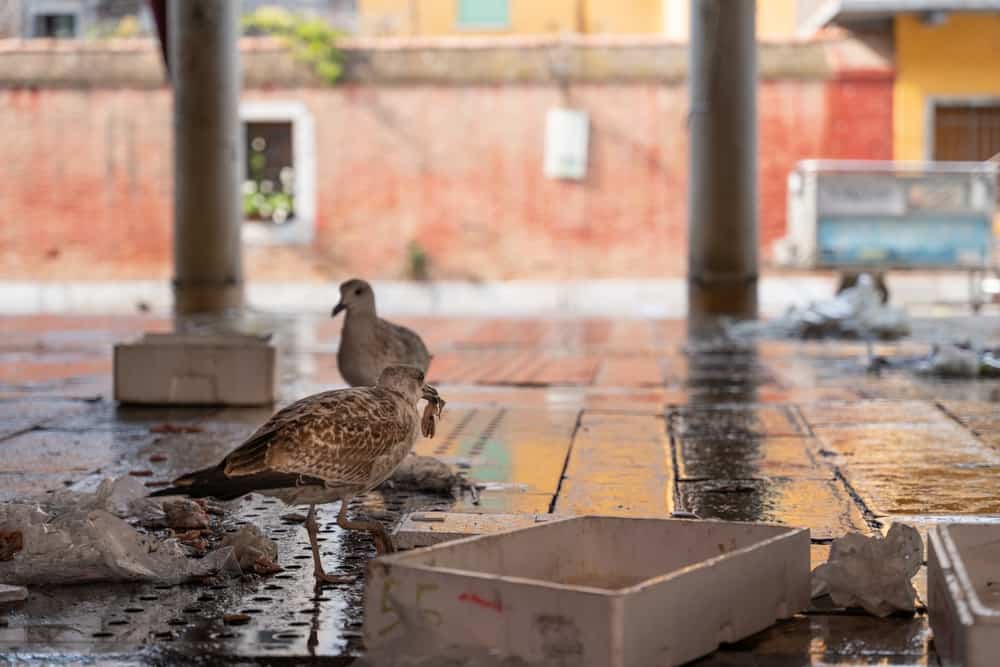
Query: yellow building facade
x: 947, y: 77
x: 775, y: 18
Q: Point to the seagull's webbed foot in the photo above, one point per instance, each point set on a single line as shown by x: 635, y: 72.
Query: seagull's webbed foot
x: 383, y: 543
x: 321, y: 576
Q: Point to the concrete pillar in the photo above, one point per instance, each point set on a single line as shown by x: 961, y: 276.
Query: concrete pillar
x: 722, y: 172
x: 208, y: 155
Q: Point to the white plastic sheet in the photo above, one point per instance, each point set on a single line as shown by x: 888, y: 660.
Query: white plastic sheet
x: 872, y: 572
x: 71, y: 537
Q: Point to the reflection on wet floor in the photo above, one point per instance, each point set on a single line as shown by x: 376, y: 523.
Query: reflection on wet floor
x: 601, y: 417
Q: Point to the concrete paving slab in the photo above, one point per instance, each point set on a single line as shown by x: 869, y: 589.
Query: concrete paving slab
x: 891, y: 489
x: 826, y: 640
x: 750, y: 458
x: 937, y: 443
x: 19, y: 415
x: 871, y: 412
x: 619, y: 465
x: 735, y: 421
x: 821, y: 505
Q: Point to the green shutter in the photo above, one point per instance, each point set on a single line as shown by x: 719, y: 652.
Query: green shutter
x: 483, y: 13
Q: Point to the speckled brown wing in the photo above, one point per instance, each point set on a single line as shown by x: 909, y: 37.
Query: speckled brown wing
x: 403, y: 345
x: 343, y: 437
x: 251, y: 457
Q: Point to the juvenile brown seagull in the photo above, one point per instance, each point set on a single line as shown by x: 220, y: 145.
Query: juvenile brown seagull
x: 368, y: 343
x: 330, y: 446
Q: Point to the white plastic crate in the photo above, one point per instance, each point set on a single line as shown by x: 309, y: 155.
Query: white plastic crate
x: 963, y: 593
x: 594, y: 591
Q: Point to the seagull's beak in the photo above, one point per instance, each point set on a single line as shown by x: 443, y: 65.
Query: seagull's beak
x: 336, y: 309
x: 431, y: 395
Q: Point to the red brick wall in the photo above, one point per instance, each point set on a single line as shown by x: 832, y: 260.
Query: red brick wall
x: 86, y: 178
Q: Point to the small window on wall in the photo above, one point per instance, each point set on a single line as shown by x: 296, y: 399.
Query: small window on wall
x: 279, y: 191
x: 484, y: 14
x: 59, y: 26
x: 968, y: 131
x: 269, y: 185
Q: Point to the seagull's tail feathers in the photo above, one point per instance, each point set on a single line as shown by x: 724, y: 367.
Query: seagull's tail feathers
x: 208, y: 483
x: 214, y: 483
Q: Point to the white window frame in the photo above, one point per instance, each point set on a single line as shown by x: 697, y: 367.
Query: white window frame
x: 302, y: 228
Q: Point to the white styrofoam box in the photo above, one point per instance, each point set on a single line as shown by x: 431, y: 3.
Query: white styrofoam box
x: 594, y: 591
x: 423, y: 529
x: 963, y: 593
x: 566, y: 140
x: 174, y: 369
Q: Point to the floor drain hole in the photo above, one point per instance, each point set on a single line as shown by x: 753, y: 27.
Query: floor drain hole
x: 262, y: 598
x: 149, y: 598
x: 118, y: 622
x: 191, y: 610
x: 205, y: 598
x: 134, y: 610
x: 177, y: 621
x: 103, y: 634
x: 250, y: 611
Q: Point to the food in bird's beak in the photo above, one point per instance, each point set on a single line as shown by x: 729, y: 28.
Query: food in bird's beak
x: 432, y: 411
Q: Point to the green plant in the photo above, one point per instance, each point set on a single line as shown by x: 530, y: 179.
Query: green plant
x: 416, y: 261
x: 312, y: 40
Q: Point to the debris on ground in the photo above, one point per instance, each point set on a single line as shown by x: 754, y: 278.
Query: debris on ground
x: 11, y: 542
x: 236, y: 619
x: 951, y: 361
x: 857, y: 312
x: 12, y: 593
x: 872, y: 572
x: 426, y: 474
x: 194, y: 540
x: 184, y: 514
x: 255, y: 551
x: 70, y: 537
x: 174, y: 428
x: 92, y: 545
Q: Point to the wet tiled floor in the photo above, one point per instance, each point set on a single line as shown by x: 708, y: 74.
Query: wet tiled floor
x: 626, y: 418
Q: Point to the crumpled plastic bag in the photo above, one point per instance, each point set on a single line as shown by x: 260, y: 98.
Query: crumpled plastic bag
x: 872, y: 572
x: 73, y: 537
x: 124, y: 497
x: 90, y: 545
x: 255, y: 551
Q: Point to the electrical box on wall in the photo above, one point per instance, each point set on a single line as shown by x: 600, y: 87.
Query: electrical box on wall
x: 566, y: 137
